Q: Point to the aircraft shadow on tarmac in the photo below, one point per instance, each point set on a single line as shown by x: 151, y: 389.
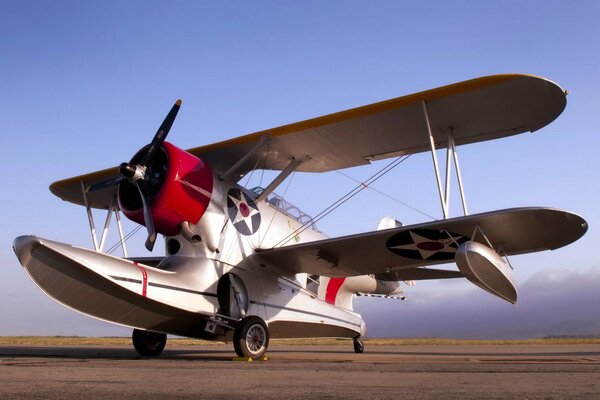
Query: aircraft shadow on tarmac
x: 300, y: 353
x: 112, y: 353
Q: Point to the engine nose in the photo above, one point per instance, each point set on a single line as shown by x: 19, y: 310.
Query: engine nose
x: 179, y: 186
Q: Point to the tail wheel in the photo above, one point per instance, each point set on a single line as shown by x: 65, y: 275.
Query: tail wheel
x: 251, y: 337
x: 147, y: 343
x: 359, y: 346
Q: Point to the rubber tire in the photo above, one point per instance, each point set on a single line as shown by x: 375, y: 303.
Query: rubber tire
x: 241, y: 331
x: 359, y: 346
x: 148, y: 343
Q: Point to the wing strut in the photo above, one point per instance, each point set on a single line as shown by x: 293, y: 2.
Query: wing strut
x: 263, y: 140
x: 292, y: 166
x: 120, y: 230
x: 113, y: 207
x: 458, y: 174
x: 90, y: 218
x: 451, y: 155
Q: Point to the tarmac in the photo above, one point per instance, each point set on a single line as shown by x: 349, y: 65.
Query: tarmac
x: 301, y: 372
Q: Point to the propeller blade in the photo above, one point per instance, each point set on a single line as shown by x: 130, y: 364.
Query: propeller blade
x: 147, y: 219
x: 150, y: 241
x: 107, y: 183
x: 161, y: 134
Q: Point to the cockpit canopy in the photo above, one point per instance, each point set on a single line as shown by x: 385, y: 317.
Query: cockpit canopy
x: 287, y: 208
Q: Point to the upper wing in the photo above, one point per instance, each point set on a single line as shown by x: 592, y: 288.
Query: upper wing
x: 513, y: 231
x: 476, y: 110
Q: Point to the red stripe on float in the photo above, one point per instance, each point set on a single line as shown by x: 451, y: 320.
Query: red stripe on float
x: 333, y: 287
x: 144, y: 278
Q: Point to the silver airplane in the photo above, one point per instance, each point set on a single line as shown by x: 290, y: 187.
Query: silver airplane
x: 243, y: 265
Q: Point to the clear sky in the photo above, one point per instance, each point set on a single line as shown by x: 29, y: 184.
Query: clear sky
x: 84, y: 84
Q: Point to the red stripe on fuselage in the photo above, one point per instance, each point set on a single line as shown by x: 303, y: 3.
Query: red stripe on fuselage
x: 333, y: 287
x: 144, y: 279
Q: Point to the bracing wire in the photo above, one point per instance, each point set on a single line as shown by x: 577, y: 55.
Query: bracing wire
x: 249, y: 176
x: 127, y: 237
x: 262, y: 173
x: 363, y: 185
x: 274, y: 214
x: 388, y: 196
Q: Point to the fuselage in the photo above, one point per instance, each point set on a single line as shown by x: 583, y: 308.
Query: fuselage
x: 211, y: 275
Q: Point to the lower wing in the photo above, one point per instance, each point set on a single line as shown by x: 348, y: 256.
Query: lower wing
x: 508, y: 232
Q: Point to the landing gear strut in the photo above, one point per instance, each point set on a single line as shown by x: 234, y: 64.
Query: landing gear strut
x: 251, y: 337
x: 359, y: 346
x: 147, y: 343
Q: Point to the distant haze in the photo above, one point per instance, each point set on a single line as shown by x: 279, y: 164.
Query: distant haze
x: 550, y: 303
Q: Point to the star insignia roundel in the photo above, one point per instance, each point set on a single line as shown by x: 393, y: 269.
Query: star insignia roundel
x: 243, y: 211
x: 426, y: 244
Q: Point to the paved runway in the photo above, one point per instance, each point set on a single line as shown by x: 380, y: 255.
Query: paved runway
x: 301, y: 372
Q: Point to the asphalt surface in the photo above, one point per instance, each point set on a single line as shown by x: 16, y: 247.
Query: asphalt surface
x: 301, y: 372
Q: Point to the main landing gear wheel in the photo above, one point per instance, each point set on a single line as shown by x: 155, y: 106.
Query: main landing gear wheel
x: 359, y: 346
x: 251, y: 337
x: 147, y: 343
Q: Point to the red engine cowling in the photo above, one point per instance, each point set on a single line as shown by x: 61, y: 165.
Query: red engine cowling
x: 178, y: 187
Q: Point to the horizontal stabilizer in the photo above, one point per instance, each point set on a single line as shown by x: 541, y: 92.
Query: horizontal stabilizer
x: 418, y: 274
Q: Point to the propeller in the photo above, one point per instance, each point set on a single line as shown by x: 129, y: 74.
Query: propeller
x: 148, y: 218
x: 137, y: 173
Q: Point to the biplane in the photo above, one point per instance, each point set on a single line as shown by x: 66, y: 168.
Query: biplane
x: 243, y: 265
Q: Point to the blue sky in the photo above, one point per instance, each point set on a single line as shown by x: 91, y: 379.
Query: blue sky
x: 85, y: 84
